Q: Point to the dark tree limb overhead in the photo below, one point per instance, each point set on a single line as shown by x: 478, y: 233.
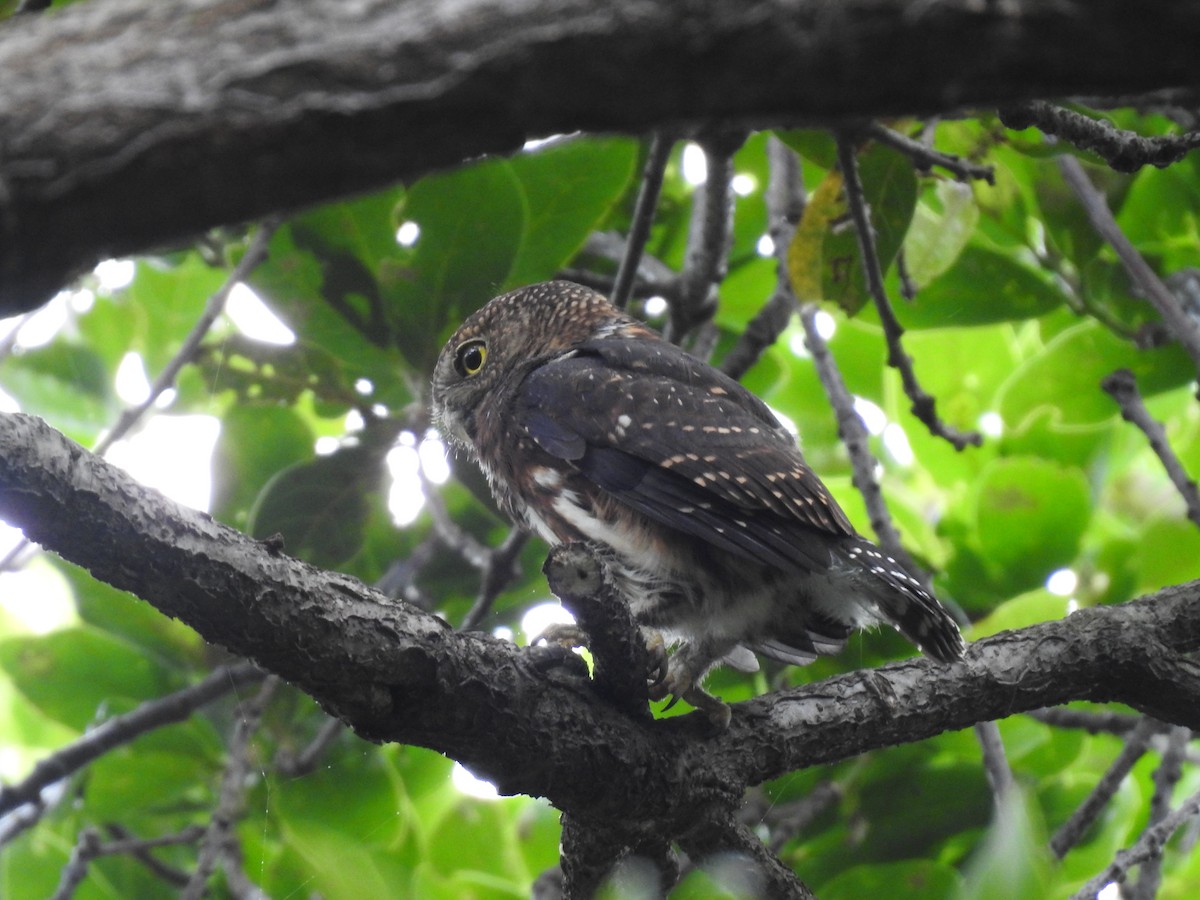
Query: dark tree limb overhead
x: 132, y: 124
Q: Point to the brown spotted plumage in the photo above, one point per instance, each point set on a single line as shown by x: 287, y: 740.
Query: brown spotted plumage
x: 589, y: 426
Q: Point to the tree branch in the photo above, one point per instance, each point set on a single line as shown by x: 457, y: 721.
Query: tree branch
x: 517, y: 716
x: 120, y: 118
x: 124, y: 728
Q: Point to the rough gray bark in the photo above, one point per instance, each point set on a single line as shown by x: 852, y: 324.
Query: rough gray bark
x: 131, y: 124
x: 528, y: 719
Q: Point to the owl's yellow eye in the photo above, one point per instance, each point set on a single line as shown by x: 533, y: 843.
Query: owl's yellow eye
x: 470, y: 357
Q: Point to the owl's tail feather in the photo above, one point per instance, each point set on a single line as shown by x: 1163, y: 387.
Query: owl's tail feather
x: 903, y: 603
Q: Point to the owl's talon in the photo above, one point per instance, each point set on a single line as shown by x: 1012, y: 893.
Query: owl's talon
x: 565, y: 635
x: 658, y: 665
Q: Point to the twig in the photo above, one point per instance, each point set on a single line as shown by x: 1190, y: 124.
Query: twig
x: 643, y: 217
x: 89, y: 847
x: 1166, y: 776
x: 140, y: 850
x: 854, y: 435
x: 20, y: 820
x: 709, y: 233
x: 1148, y: 846
x: 788, y: 820
x: 925, y: 157
x: 923, y: 405
x: 1124, y: 151
x: 757, y: 871
x: 995, y: 760
x: 1091, y: 722
x: 233, y: 788
x: 124, y: 728
x: 785, y: 204
x: 305, y: 762
x: 1069, y: 834
x: 1182, y: 326
x: 255, y: 253
x: 1122, y: 386
x: 652, y: 275
x: 473, y: 551
x: 499, y: 571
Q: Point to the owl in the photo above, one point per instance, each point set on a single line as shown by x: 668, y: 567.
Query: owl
x: 590, y: 427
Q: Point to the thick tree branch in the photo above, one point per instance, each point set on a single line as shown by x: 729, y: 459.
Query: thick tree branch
x: 519, y: 716
x: 128, y: 124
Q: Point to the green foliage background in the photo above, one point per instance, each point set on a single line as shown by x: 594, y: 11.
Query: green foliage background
x: 1021, y: 311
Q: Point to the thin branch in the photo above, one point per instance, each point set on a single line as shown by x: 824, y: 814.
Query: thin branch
x: 89, y: 847
x: 1071, y: 831
x: 652, y: 275
x: 1182, y: 326
x: 140, y: 850
x: 255, y: 253
x: 854, y: 436
x: 1148, y: 846
x: 501, y: 568
x: 295, y: 765
x: 744, y: 861
x: 925, y: 157
x: 456, y: 538
x: 643, y: 217
x: 924, y: 406
x: 787, y: 821
x: 122, y: 729
x: 709, y: 233
x: 1091, y: 722
x: 785, y: 204
x: 995, y: 760
x: 1122, y: 386
x: 1166, y: 776
x: 233, y: 789
x: 1124, y: 151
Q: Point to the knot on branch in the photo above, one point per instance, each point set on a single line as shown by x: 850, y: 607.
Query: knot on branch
x: 578, y: 576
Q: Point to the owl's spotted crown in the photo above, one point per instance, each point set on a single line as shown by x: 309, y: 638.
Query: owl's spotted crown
x: 557, y: 312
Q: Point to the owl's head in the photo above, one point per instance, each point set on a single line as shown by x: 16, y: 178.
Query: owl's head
x: 494, y: 349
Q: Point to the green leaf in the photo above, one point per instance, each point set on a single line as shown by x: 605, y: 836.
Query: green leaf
x: 66, y: 383
x: 321, y: 507
x: 169, y: 642
x: 982, y: 287
x: 1027, y: 609
x: 1168, y: 552
x: 256, y: 442
x: 916, y: 879
x: 164, y: 302
x: 1030, y: 516
x: 942, y: 225
x: 570, y: 187
x: 1064, y: 377
x: 473, y: 223
x: 818, y: 145
x: 70, y: 675
x: 890, y: 192
x: 1014, y: 860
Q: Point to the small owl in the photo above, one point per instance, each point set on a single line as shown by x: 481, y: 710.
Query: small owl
x: 590, y: 427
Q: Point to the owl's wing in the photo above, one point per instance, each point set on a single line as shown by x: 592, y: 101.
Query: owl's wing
x: 685, y: 445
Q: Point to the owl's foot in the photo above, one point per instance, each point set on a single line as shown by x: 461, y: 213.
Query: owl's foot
x: 676, y: 679
x: 566, y: 636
